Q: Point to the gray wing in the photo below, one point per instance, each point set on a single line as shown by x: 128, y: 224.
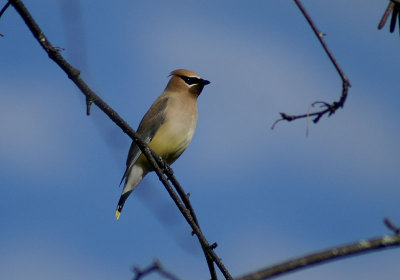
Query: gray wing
x: 148, y: 127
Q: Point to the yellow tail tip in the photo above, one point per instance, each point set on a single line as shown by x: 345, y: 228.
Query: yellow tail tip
x: 117, y: 214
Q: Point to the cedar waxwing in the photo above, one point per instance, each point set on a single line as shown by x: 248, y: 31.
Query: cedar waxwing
x: 167, y: 127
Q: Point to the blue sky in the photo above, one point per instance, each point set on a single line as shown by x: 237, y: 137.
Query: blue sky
x: 264, y: 195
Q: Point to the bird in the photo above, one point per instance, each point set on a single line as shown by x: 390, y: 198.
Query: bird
x: 167, y: 127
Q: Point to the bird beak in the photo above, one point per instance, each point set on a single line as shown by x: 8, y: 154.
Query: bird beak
x: 205, y: 82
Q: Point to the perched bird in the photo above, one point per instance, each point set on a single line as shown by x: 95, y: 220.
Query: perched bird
x: 167, y: 127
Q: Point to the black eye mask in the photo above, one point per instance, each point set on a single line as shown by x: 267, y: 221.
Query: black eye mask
x: 193, y: 80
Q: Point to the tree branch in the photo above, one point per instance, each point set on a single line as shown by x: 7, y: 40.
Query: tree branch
x: 2, y: 12
x: 154, y: 267
x: 157, y: 162
x: 188, y: 205
x: 394, y: 8
x: 4, y: 8
x: 391, y: 226
x: 363, y: 246
x: 329, y: 109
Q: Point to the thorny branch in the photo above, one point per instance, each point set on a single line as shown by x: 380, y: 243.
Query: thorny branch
x: 363, y: 246
x: 328, y: 108
x: 394, y: 8
x: 158, y: 164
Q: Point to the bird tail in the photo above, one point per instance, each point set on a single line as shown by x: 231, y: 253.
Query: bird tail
x: 133, y: 178
x: 121, y: 203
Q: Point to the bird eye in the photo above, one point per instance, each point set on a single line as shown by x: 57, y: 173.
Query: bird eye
x: 190, y: 80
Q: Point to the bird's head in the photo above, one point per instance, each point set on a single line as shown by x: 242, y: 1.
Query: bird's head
x: 183, y: 79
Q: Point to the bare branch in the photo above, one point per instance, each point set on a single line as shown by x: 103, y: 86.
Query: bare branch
x: 2, y: 12
x: 329, y: 109
x: 391, y: 226
x: 386, y: 14
x: 155, y: 267
x: 89, y: 103
x: 394, y: 8
x: 4, y: 8
x: 157, y: 162
x: 186, y: 201
x: 363, y: 246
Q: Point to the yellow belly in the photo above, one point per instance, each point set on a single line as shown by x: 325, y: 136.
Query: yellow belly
x: 170, y: 141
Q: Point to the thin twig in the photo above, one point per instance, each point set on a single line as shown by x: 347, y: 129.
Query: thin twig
x: 395, y: 14
x: 391, y: 226
x: 155, y: 267
x: 74, y: 75
x: 363, y: 246
x: 386, y: 14
x: 89, y: 103
x: 330, y: 108
x: 2, y: 12
x: 394, y: 8
x: 4, y: 8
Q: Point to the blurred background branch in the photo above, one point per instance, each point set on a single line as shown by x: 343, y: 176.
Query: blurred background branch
x: 155, y: 267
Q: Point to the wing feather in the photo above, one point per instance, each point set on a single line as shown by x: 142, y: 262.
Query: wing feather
x: 148, y: 127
